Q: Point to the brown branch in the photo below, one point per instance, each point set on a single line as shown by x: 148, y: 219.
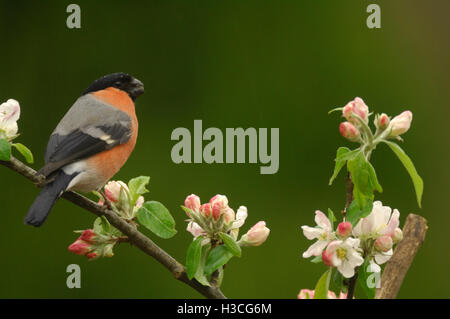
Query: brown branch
x: 136, y: 238
x: 395, y: 271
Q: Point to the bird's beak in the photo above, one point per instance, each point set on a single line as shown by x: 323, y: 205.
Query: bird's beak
x: 136, y: 88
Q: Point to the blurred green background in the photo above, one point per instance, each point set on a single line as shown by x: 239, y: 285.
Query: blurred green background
x: 232, y: 64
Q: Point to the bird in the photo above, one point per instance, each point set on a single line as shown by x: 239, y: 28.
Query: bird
x: 91, y: 142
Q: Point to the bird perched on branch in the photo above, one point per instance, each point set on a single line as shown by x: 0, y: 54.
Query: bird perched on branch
x: 91, y: 142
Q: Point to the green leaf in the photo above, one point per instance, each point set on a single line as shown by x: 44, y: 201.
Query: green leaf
x: 337, y: 282
x: 331, y: 217
x: 155, y: 217
x: 98, y: 228
x: 364, y: 180
x: 343, y: 154
x: 321, y: 290
x: 194, y: 257
x: 200, y: 274
x: 218, y: 257
x: 25, y: 152
x: 231, y: 244
x: 373, y: 178
x: 363, y: 276
x: 137, y: 187
x: 408, y: 164
x: 355, y: 213
x: 5, y: 150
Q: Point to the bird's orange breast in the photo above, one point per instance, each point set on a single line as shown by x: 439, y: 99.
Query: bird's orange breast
x: 109, y: 162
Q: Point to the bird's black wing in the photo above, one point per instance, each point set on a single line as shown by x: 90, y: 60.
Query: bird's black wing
x: 82, y: 143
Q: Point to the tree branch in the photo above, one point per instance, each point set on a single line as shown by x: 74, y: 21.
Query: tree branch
x: 136, y: 237
x: 395, y: 271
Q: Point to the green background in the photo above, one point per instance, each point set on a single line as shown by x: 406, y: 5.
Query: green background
x: 232, y: 64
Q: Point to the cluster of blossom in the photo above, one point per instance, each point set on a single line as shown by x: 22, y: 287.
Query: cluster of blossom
x: 346, y: 247
x: 93, y: 244
x: 357, y: 114
x: 118, y: 195
x: 9, y: 115
x: 216, y: 216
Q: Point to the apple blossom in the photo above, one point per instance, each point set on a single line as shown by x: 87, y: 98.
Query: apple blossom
x: 378, y: 223
x: 9, y: 115
x: 219, y: 204
x: 323, y: 233
x: 345, y: 255
x: 398, y: 235
x: 192, y: 202
x: 256, y: 236
x: 80, y: 247
x: 382, y: 121
x: 383, y: 243
x: 112, y: 190
x: 195, y: 229
x: 356, y: 107
x: 349, y: 131
x: 206, y: 210
x: 400, y: 124
x: 344, y: 229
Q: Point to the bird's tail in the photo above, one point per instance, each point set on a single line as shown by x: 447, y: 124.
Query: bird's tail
x: 39, y: 210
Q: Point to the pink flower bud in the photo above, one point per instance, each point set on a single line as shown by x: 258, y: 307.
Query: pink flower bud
x: 229, y: 215
x: 326, y: 258
x: 192, y: 202
x: 358, y: 107
x: 384, y: 243
x: 92, y: 255
x: 80, y: 247
x: 206, y: 210
x: 139, y: 202
x: 219, y: 205
x: 344, y: 229
x: 382, y: 121
x: 256, y: 235
x: 400, y: 124
x: 88, y: 236
x: 397, y: 236
x: 349, y: 131
x: 112, y: 190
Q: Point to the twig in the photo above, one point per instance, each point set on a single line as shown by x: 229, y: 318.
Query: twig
x: 395, y: 271
x: 135, y: 237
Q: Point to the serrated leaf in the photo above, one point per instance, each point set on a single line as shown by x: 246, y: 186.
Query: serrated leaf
x: 409, y: 166
x: 321, y: 290
x: 231, y: 244
x: 155, y: 217
x: 194, y: 257
x: 137, y: 187
x: 26, y: 153
x: 5, y: 150
x: 218, y: 257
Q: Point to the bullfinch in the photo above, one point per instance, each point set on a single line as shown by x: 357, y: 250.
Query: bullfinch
x: 91, y: 142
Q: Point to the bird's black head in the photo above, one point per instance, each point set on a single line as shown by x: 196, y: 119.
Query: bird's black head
x: 121, y: 81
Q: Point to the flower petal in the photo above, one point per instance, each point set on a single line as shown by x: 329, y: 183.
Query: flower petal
x: 312, y: 232
x: 322, y: 220
x: 315, y: 249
